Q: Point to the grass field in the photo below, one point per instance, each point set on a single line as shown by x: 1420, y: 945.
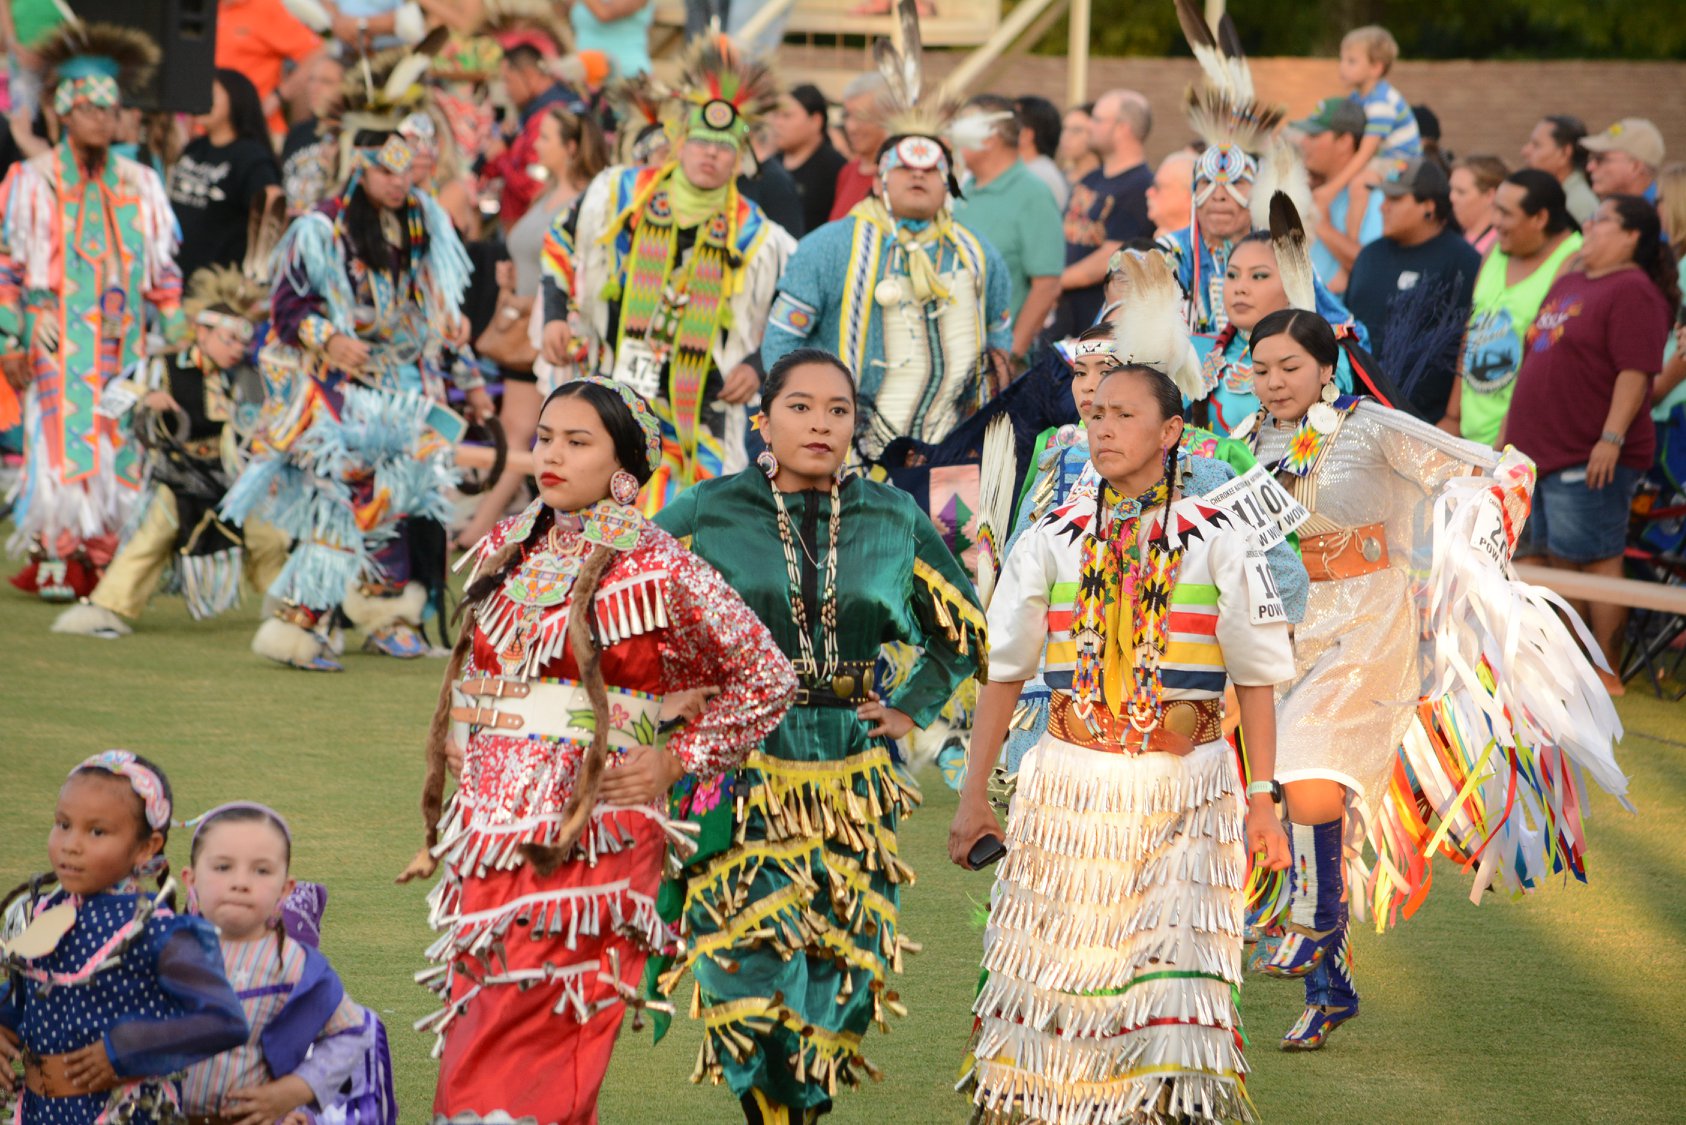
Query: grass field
x: 1564, y: 1007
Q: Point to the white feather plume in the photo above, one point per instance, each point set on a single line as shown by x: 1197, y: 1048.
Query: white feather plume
x: 995, y: 503
x: 409, y: 71
x: 311, y: 13
x: 1150, y: 329
x: 1218, y: 52
x: 1281, y: 170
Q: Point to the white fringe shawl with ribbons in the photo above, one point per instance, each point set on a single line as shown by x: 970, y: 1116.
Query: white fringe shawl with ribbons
x: 1122, y: 881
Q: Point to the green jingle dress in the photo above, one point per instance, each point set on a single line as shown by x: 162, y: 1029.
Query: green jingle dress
x: 790, y: 903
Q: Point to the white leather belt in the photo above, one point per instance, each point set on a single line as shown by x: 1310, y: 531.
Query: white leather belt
x: 520, y: 708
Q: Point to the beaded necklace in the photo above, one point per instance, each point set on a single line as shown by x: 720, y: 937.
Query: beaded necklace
x: 828, y: 593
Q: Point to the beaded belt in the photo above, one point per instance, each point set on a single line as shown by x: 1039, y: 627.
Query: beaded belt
x: 520, y: 708
x: 1185, y: 725
x: 44, y: 1076
x: 847, y: 687
x: 1351, y: 552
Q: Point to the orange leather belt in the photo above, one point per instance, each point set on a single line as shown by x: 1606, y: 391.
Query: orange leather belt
x: 1349, y: 553
x: 44, y: 1076
x: 1185, y: 725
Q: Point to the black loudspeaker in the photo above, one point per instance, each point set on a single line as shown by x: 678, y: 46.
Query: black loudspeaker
x: 186, y: 32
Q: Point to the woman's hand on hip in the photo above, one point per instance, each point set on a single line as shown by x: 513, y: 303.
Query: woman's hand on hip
x: 643, y: 775
x: 885, y: 720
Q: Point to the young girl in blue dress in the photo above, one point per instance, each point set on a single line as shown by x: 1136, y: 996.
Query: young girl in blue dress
x: 107, y: 992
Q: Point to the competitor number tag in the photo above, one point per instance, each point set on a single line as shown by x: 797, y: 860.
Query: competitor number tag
x: 637, y: 366
x: 1264, y: 600
x: 1261, y: 503
x: 1490, y: 538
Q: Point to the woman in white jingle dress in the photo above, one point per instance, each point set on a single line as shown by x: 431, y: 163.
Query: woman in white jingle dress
x: 1114, y: 941
x: 1437, y: 701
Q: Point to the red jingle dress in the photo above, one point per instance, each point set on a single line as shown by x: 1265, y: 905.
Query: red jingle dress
x: 535, y: 970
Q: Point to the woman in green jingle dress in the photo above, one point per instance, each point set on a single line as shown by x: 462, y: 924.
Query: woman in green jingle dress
x: 790, y: 904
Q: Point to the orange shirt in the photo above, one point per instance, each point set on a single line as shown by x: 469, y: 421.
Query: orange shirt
x: 256, y: 37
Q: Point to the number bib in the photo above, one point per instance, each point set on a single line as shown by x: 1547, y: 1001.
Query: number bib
x: 639, y: 367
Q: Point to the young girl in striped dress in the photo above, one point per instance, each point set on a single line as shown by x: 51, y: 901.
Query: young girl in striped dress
x: 310, y: 1046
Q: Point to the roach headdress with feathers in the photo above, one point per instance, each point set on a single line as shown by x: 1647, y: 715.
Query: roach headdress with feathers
x: 1224, y: 109
x: 726, y: 92
x: 916, y: 120
x: 96, y: 63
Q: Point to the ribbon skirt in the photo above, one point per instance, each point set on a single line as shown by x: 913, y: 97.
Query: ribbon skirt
x: 1114, y: 943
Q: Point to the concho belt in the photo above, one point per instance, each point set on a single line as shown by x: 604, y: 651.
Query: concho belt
x: 1184, y: 726
x: 1350, y: 552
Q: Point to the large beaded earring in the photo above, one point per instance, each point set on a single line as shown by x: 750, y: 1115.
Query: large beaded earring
x: 623, y: 487
x: 767, y: 463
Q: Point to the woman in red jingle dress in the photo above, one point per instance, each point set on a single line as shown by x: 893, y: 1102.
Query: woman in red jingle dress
x: 553, y: 843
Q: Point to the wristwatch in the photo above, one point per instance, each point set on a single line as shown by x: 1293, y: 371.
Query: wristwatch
x: 1610, y: 437
x: 1273, y: 787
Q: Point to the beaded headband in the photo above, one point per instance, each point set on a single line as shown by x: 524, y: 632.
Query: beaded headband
x: 1223, y: 165
x: 641, y: 413
x: 238, y: 326
x: 98, y: 90
x: 145, y: 782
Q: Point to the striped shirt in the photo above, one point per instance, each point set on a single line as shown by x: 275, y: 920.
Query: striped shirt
x: 1388, y: 115
x: 1211, y: 638
x: 263, y: 972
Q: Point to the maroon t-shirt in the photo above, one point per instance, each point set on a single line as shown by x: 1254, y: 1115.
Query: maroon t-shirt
x: 853, y: 185
x: 1587, y: 332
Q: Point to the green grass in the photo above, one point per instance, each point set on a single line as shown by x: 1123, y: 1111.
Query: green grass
x: 1561, y: 1008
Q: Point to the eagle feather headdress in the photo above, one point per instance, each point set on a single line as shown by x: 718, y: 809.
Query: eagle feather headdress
x: 1224, y: 108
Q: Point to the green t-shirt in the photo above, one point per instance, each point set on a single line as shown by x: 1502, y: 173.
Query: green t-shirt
x: 1662, y: 410
x: 1015, y: 213
x: 1497, y: 339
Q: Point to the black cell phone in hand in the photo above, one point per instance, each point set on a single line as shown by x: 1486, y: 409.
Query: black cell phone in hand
x: 985, y: 852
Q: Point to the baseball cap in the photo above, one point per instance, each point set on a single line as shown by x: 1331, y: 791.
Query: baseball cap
x: 1633, y: 135
x: 1421, y: 177
x: 1333, y: 115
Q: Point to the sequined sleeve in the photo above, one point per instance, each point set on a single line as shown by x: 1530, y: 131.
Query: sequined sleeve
x: 208, y: 1020
x: 1422, y: 453
x: 714, y: 640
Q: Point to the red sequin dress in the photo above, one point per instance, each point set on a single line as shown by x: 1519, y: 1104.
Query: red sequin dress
x: 535, y: 969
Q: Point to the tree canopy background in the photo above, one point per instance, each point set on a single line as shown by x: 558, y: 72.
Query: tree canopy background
x: 1426, y: 29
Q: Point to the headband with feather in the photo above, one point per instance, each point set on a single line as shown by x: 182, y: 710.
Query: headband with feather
x: 380, y: 92
x: 1151, y: 330
x: 224, y: 296
x: 1224, y: 109
x: 728, y: 91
